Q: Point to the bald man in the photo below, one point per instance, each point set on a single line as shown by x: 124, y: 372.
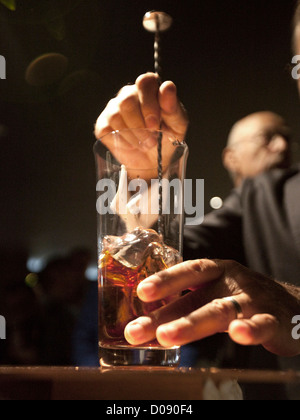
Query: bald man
x: 257, y: 143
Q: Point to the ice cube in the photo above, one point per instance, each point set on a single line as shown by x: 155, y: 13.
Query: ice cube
x: 171, y: 256
x: 132, y: 249
x: 155, y: 259
x: 160, y: 257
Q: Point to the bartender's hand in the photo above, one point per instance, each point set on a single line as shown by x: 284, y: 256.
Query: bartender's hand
x: 267, y: 307
x: 143, y: 105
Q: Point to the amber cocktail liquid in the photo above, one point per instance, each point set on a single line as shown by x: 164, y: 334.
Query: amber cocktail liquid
x: 124, y: 263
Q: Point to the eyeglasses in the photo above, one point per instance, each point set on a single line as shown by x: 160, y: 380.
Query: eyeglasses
x: 264, y: 139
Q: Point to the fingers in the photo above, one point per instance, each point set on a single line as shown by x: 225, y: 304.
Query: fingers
x: 140, y: 331
x: 129, y: 108
x: 188, y: 275
x: 120, y: 113
x: 265, y: 330
x: 147, y: 87
x: 212, y: 318
x: 109, y: 120
x: 161, y: 105
x: 144, y: 105
x: 173, y: 113
x: 216, y: 317
x: 143, y: 329
x: 136, y: 106
x: 192, y: 318
x: 257, y: 330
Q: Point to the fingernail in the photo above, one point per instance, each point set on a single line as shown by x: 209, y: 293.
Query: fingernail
x: 150, y: 142
x: 147, y: 290
x: 168, y: 332
x: 152, y: 122
x: 135, y: 331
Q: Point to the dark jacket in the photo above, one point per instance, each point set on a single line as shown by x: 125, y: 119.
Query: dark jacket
x: 258, y: 226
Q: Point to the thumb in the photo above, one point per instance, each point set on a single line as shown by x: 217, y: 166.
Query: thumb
x: 174, y: 115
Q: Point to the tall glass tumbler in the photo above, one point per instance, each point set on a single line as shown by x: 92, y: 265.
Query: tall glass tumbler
x: 140, y: 196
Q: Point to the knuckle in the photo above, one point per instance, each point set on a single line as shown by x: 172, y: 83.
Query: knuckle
x: 111, y: 106
x: 194, y: 267
x: 124, y: 91
x: 198, y: 266
x: 102, y: 127
x: 113, y: 118
x: 100, y: 135
x: 163, y: 277
x: 112, y: 111
x: 222, y: 310
x: 203, y: 266
x: 128, y: 103
x: 233, y: 265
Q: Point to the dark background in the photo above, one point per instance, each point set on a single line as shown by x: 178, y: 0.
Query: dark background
x: 228, y: 59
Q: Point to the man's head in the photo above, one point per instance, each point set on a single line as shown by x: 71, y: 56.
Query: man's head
x: 257, y: 143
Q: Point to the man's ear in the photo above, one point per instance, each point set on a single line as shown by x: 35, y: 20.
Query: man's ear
x: 229, y: 160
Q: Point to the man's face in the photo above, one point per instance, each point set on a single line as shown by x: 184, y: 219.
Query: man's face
x: 259, y: 143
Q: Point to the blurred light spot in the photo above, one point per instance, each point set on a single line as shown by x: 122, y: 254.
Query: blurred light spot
x: 216, y: 203
x: 36, y: 264
x: 10, y: 4
x: 46, y: 69
x: 31, y: 280
x: 92, y: 273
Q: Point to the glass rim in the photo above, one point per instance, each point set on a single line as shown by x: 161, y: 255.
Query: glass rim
x: 166, y: 132
x: 171, y: 138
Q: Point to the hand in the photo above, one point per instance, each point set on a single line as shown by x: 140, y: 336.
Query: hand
x: 142, y: 105
x: 268, y: 307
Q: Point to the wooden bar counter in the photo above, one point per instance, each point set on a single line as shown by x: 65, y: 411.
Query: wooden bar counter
x: 58, y: 383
